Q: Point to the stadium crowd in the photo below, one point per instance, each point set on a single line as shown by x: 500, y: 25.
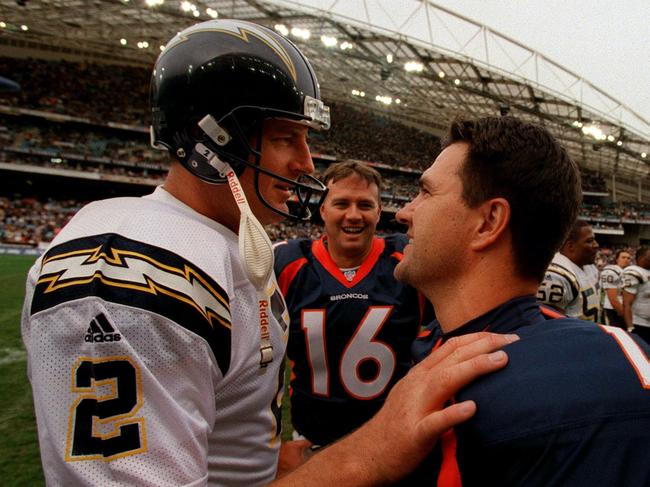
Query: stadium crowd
x: 100, y: 149
x: 593, y: 182
x: 610, y: 211
x: 28, y: 221
x: 86, y: 141
x: 74, y: 89
x: 96, y: 92
x: 79, y: 90
x: 360, y: 134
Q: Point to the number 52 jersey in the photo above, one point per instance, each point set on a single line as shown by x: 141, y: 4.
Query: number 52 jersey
x: 349, y: 338
x: 572, y: 289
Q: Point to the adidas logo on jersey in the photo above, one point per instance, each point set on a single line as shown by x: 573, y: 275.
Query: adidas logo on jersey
x: 100, y: 330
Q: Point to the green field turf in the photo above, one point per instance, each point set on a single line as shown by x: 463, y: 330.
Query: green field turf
x: 20, y: 464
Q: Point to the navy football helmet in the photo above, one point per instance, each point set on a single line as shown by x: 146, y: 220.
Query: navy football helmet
x: 213, y: 86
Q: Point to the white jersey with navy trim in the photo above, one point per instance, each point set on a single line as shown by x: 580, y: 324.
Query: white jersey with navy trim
x: 610, y: 278
x: 571, y: 289
x: 635, y: 281
x: 143, y: 341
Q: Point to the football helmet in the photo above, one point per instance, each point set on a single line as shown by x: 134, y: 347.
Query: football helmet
x: 213, y: 86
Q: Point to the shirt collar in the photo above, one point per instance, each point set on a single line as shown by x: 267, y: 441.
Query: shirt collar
x: 161, y: 195
x: 505, y: 318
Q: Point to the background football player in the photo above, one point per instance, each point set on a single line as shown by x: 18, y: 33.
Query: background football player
x: 571, y: 284
x: 636, y: 294
x: 611, y: 285
x: 352, y: 323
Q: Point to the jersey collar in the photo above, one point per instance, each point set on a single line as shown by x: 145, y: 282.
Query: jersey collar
x: 319, y: 249
x: 506, y: 318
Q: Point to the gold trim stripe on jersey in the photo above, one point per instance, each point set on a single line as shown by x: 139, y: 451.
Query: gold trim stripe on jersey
x: 126, y: 269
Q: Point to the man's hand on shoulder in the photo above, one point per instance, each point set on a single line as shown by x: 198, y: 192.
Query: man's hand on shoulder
x: 414, y: 415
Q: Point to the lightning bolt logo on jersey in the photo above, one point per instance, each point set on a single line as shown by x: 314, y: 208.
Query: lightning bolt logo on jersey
x: 124, y: 271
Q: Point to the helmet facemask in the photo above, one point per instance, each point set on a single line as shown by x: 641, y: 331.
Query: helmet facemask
x: 235, y: 146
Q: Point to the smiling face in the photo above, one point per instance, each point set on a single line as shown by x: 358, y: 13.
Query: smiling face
x: 351, y: 212
x: 439, y: 222
x: 284, y: 152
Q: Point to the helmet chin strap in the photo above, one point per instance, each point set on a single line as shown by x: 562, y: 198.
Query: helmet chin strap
x: 305, y: 186
x: 255, y: 252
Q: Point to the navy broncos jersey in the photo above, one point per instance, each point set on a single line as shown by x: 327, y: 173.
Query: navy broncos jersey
x: 350, y: 335
x: 571, y: 408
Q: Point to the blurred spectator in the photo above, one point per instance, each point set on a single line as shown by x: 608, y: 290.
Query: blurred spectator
x: 362, y: 134
x: 79, y: 89
x: 99, y: 92
x: 28, y: 221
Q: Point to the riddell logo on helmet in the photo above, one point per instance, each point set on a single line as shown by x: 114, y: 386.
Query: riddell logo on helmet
x: 264, y: 319
x: 235, y: 187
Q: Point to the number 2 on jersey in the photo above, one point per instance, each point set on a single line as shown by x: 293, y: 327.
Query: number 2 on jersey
x: 361, y: 347
x: 102, y: 424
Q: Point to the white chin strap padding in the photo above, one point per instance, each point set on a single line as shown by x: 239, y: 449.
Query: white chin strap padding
x: 256, y: 250
x: 256, y: 253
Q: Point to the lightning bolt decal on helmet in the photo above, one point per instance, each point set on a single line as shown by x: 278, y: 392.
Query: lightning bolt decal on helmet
x: 213, y: 86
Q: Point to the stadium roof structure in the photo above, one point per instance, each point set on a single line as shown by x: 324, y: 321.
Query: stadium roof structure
x: 411, y: 60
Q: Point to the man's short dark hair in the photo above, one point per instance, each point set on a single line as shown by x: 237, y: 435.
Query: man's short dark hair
x: 342, y: 170
x: 640, y: 253
x: 619, y: 252
x: 576, y: 228
x: 524, y: 164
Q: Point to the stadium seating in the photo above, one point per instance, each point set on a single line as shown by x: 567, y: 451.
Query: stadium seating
x: 81, y: 118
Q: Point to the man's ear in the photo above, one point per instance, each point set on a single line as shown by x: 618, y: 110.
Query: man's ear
x: 494, y: 219
x: 568, y: 248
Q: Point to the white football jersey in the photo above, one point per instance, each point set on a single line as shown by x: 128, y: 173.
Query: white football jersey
x: 635, y: 281
x: 143, y: 341
x: 610, y: 278
x: 571, y: 289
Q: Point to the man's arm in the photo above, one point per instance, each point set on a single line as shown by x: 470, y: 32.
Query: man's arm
x: 406, y: 428
x: 293, y: 453
x: 628, y: 299
x: 612, y: 295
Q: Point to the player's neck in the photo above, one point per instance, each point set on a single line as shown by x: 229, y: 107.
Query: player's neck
x: 212, y: 201
x: 346, y: 259
x: 476, y: 292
